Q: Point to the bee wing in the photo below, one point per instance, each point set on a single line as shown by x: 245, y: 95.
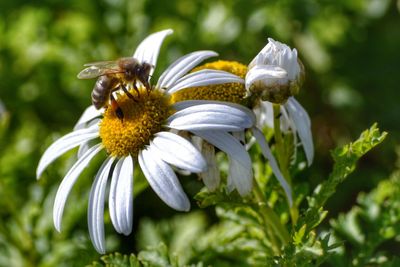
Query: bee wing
x: 96, y: 69
x: 94, y: 72
x: 103, y: 64
x: 91, y: 72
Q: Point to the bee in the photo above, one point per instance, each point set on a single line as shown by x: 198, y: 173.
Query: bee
x: 113, y: 76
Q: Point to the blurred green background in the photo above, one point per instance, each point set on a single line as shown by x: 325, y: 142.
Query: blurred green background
x: 350, y: 50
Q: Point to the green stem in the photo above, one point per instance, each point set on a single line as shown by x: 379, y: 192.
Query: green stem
x: 270, y: 217
x: 280, y: 146
x: 282, y: 156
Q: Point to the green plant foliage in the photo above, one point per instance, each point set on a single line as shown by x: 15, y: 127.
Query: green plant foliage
x: 154, y: 256
x: 309, y: 246
x: 370, y: 230
x: 345, y: 159
x: 242, y: 237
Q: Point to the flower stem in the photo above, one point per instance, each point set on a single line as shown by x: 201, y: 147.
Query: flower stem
x: 282, y: 156
x: 280, y: 146
x: 270, y: 217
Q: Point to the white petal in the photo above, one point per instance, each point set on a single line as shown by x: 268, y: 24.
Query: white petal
x: 227, y: 143
x: 230, y: 186
x: 211, y: 176
x: 112, y: 204
x: 287, y: 123
x: 64, y: 144
x: 293, y: 102
x: 210, y: 117
x: 203, y: 78
x: 303, y: 126
x: 163, y: 180
x: 149, y: 48
x: 82, y: 149
x: 240, y: 136
x: 182, y: 66
x: 265, y: 114
x: 96, y: 206
x: 179, y: 152
x: 241, y: 176
x: 265, y: 73
x: 272, y: 162
x: 67, y: 183
x: 89, y: 114
x: 190, y: 103
x: 121, y: 196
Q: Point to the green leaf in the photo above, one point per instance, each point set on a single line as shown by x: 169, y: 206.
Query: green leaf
x: 345, y: 158
x: 157, y: 257
x: 206, y: 198
x: 118, y: 260
x: 375, y: 220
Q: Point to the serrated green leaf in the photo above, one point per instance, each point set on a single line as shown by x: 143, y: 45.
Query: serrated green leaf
x: 298, y: 235
x: 345, y: 159
x: 117, y: 260
x: 373, y: 221
x: 206, y: 198
x: 155, y: 256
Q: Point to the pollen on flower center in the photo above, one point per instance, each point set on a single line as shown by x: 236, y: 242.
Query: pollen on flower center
x: 230, y: 92
x: 142, y: 119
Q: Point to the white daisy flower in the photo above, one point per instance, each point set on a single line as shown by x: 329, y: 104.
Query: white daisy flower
x: 239, y: 175
x: 278, y: 72
x: 275, y: 73
x: 143, y: 137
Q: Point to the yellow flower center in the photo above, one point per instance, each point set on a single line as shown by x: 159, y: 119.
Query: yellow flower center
x: 230, y: 92
x: 142, y: 119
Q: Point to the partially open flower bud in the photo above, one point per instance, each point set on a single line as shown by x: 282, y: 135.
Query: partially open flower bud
x: 275, y: 73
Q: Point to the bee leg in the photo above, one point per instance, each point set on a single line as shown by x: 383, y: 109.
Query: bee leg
x: 116, y: 108
x: 127, y: 93
x: 146, y: 84
x: 136, y: 89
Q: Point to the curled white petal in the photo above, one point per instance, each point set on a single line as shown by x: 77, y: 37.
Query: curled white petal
x: 279, y: 55
x: 182, y: 66
x: 163, y: 180
x: 272, y: 162
x: 210, y: 117
x: 96, y: 206
x: 64, y: 144
x: 303, y: 124
x: 179, y: 152
x: 203, y: 78
x: 269, y: 75
x: 67, y: 183
x: 148, y: 50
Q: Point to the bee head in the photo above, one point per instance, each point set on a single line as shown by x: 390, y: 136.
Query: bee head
x: 144, y: 70
x: 129, y: 66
